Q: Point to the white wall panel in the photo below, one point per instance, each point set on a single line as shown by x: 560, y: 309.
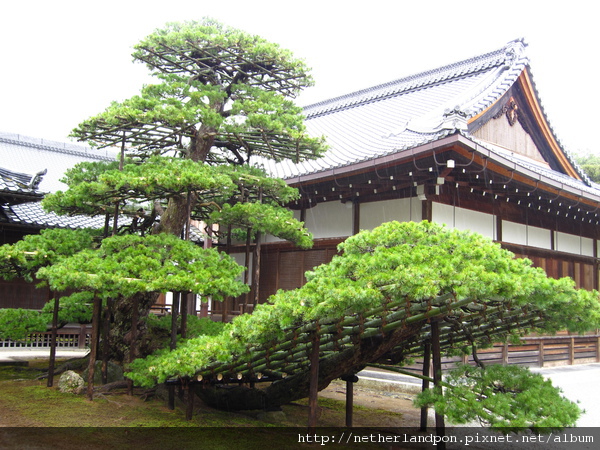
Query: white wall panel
x: 515, y: 233
x: 539, y: 237
x: 373, y: 214
x: 571, y: 243
x: 464, y: 219
x: 330, y: 219
x: 587, y: 246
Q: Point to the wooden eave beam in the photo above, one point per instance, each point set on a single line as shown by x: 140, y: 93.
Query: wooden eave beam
x: 523, y: 175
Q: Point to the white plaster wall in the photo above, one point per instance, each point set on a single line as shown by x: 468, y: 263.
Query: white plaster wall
x: 587, y: 246
x: 571, y: 243
x: 464, y: 219
x: 567, y: 242
x: 373, y: 214
x: 517, y: 233
x: 538, y: 237
x: 329, y: 219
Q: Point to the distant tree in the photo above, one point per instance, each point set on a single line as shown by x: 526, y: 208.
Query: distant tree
x: 590, y: 164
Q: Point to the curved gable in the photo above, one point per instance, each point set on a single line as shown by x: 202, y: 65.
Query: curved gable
x: 517, y: 123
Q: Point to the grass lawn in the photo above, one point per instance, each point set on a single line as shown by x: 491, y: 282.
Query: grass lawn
x: 35, y: 416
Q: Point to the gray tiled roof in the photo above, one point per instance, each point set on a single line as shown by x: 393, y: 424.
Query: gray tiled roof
x: 31, y: 155
x: 402, y: 114
x: 409, y: 112
x: 19, y: 183
x: 32, y: 214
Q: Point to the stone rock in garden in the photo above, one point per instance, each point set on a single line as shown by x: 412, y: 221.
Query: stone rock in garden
x: 70, y: 383
x: 114, y: 373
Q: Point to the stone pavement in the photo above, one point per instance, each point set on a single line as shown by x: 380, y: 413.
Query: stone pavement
x: 12, y: 354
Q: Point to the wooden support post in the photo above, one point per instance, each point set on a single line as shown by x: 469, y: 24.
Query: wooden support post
x: 189, y: 407
x: 105, y: 340
x: 225, y: 309
x: 314, y: 383
x: 256, y: 269
x: 598, y: 349
x: 171, y: 400
x: 505, y: 353
x: 134, y: 337
x: 184, y: 313
x: 53, y: 342
x: 440, y: 426
x: 94, y: 346
x: 355, y: 217
x: 541, y: 353
x: 174, y: 312
x: 82, y: 342
x: 350, y: 380
x: 572, y: 351
x: 349, y: 402
x: 425, y: 383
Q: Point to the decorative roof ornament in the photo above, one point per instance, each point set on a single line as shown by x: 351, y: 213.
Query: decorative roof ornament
x: 455, y: 119
x: 37, y: 179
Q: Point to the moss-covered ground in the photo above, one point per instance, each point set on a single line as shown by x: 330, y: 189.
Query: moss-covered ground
x: 35, y: 416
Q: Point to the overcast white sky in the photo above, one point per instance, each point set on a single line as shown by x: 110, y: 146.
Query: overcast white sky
x: 64, y: 60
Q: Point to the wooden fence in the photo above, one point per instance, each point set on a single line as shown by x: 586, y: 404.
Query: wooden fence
x: 534, y: 351
x: 67, y: 337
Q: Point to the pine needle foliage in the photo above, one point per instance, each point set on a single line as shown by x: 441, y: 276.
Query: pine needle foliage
x: 397, y: 274
x: 504, y: 398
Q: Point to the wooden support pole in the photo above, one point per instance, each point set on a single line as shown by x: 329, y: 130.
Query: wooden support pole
x: 94, y: 346
x: 174, y: 312
x: 134, y: 337
x: 53, y: 342
x: 572, y: 351
x: 349, y: 402
x: 189, y: 406
x: 350, y: 380
x: 256, y: 269
x: 425, y: 384
x: 171, y: 400
x: 105, y: 340
x: 314, y: 384
x: 184, y: 314
x: 440, y: 426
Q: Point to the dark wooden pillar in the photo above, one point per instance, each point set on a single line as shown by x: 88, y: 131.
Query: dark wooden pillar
x: 350, y: 380
x: 134, y: 337
x: 174, y: 313
x: 440, y: 426
x: 355, y: 217
x: 53, y: 342
x: 189, y: 405
x: 427, y: 210
x: 314, y: 383
x: 425, y: 385
x: 105, y: 340
x: 94, y: 346
x: 184, y: 314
